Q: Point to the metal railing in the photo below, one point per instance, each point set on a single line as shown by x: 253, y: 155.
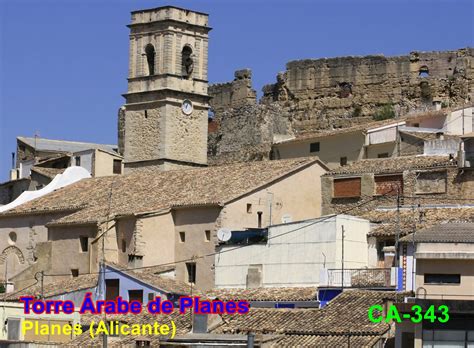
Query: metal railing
x: 361, y: 278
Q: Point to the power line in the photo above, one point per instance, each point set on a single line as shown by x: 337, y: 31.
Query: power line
x: 232, y: 249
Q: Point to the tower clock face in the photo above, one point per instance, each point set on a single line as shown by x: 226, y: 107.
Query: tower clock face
x: 187, y: 107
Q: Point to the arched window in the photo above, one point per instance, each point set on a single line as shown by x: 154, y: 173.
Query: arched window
x: 187, y: 61
x: 424, y: 71
x: 150, y: 58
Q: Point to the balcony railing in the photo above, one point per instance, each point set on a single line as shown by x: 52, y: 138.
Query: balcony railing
x: 359, y: 278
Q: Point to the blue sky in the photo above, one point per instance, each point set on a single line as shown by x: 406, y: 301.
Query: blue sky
x: 63, y: 64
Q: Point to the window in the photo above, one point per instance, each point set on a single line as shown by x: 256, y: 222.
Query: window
x: 343, y: 161
x: 431, y: 182
x: 448, y: 338
x: 78, y: 161
x: 424, y: 72
x: 442, y: 279
x: 124, y: 246
x: 13, y: 329
x: 187, y: 61
x: 135, y: 295
x: 112, y: 287
x: 84, y: 243
x: 151, y: 296
x: 12, y: 238
x: 259, y: 214
x: 191, y: 269
x: 345, y: 90
x: 249, y: 208
x: 182, y: 237
x: 207, y: 234
x: 314, y: 147
x: 417, y: 125
x: 150, y: 58
x: 117, y: 169
x: 75, y: 273
x: 388, y: 185
x: 382, y: 155
x: 347, y: 188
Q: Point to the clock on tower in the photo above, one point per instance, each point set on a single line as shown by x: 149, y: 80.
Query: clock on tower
x: 164, y: 120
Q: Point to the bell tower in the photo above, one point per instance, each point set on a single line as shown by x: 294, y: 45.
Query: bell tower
x: 164, y: 120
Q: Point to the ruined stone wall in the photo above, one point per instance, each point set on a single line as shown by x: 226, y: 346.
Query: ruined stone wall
x: 332, y: 93
x: 241, y: 129
x: 245, y: 133
x: 339, y: 92
x: 233, y: 94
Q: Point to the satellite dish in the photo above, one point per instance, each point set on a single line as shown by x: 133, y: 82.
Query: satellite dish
x: 224, y: 234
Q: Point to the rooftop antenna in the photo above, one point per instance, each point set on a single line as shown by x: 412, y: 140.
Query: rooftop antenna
x: 37, y: 135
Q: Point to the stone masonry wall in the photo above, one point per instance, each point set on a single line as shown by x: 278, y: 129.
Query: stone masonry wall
x: 459, y: 185
x: 332, y: 93
x: 233, y: 94
x: 339, y: 92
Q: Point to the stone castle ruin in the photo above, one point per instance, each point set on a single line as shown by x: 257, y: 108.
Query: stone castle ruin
x: 332, y: 93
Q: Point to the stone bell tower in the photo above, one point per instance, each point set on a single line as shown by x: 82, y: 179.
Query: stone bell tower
x: 164, y: 120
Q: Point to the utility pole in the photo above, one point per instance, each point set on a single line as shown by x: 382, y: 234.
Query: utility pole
x: 342, y: 268
x: 42, y: 284
x: 397, y: 234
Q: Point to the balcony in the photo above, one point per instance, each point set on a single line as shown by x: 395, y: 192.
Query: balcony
x: 360, y: 278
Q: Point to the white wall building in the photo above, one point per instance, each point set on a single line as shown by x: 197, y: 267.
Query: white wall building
x: 294, y: 253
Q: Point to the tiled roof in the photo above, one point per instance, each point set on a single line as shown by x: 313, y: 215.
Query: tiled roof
x: 56, y: 288
x: 159, y: 190
x: 168, y: 284
x: 410, y: 219
x: 327, y: 341
x: 444, y: 233
x: 265, y: 294
x: 345, y: 314
x: 148, y: 275
x: 48, y: 172
x: 42, y: 144
x: 306, y: 136
x: 392, y: 165
x: 182, y: 322
x: 429, y: 135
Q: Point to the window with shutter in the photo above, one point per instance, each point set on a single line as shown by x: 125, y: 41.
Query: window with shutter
x: 347, y: 188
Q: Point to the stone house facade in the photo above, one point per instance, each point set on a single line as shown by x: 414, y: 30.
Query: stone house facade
x: 150, y: 218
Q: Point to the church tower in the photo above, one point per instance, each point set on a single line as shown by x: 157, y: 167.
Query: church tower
x: 164, y: 121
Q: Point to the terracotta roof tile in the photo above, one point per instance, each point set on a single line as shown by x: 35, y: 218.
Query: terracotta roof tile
x: 307, y: 136
x: 347, y: 313
x: 48, y: 172
x: 124, y: 194
x: 328, y: 341
x: 265, y: 294
x: 392, y: 165
x: 56, y: 288
x: 182, y: 322
x: 444, y: 233
x: 429, y: 135
x: 410, y: 219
